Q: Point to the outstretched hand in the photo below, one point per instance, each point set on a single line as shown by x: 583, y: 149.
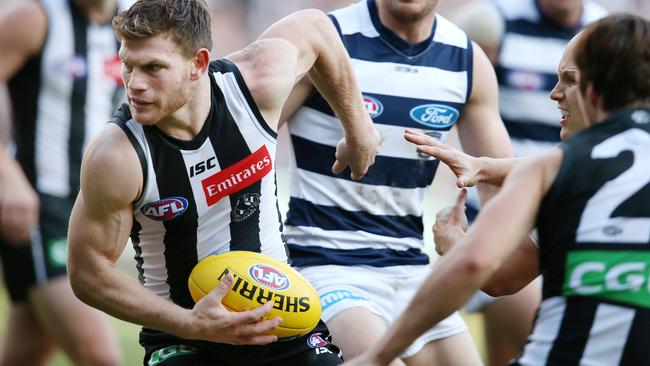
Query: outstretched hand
x: 464, y: 166
x: 451, y: 224
x: 358, y: 154
x: 213, y: 322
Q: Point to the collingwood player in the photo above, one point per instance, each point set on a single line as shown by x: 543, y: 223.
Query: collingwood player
x: 59, y: 60
x: 587, y: 200
x: 187, y: 170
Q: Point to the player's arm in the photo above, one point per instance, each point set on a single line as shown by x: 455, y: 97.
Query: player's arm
x: 470, y: 264
x: 23, y: 27
x: 481, y: 131
x: 99, y: 227
x: 469, y: 170
x: 516, y: 272
x: 306, y: 43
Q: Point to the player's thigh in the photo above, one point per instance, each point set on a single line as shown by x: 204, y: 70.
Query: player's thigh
x: 509, y: 321
x: 82, y: 331
x: 455, y: 350
x: 25, y: 341
x: 355, y: 329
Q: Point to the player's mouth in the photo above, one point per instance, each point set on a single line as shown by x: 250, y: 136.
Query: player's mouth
x: 565, y: 116
x: 139, y: 103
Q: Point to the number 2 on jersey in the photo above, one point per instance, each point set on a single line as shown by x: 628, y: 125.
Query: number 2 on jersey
x: 596, y: 223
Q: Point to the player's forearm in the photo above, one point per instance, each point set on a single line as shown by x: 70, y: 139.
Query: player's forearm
x: 333, y: 76
x: 494, y: 170
x: 123, y: 297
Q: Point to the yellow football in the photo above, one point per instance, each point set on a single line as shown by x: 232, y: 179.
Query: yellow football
x: 258, y: 280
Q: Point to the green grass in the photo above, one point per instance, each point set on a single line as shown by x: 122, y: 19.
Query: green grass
x: 127, y: 333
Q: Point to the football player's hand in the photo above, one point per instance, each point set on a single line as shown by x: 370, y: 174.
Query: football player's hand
x: 464, y: 166
x: 18, y: 204
x: 451, y: 224
x: 359, y: 154
x: 213, y: 322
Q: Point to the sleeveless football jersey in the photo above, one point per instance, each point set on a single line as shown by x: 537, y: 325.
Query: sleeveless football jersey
x: 213, y: 194
x: 594, y: 232
x: 531, y: 49
x: 63, y: 97
x: 376, y: 221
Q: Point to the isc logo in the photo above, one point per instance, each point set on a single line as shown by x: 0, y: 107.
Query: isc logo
x: 268, y: 277
x: 165, y: 209
x: 435, y: 115
x: 373, y: 106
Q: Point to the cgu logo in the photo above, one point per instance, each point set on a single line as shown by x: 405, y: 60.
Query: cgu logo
x: 435, y: 115
x: 165, y: 209
x: 592, y: 278
x: 373, y: 106
x: 268, y: 277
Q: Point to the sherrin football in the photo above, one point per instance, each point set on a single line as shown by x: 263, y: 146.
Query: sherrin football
x: 259, y: 279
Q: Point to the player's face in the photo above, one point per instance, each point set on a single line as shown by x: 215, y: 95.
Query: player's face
x: 409, y: 10
x: 567, y: 95
x: 156, y: 76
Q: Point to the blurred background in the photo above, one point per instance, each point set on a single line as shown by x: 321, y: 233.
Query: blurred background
x: 237, y: 23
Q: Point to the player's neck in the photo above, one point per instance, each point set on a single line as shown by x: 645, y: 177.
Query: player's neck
x: 567, y: 18
x: 186, y: 123
x: 412, y: 31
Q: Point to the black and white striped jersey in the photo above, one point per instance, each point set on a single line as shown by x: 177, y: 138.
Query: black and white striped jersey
x: 63, y: 96
x: 210, y: 195
x: 594, y: 231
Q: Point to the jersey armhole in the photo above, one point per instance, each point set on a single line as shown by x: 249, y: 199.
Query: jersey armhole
x: 227, y: 65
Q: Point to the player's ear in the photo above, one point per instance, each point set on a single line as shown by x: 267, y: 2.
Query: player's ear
x: 200, y: 63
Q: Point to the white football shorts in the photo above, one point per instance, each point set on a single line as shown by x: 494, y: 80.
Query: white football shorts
x: 385, y: 291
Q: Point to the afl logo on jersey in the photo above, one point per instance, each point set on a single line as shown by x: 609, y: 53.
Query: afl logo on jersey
x: 269, y: 277
x: 435, y: 115
x: 525, y: 80
x: 165, y: 209
x: 316, y: 340
x: 373, y: 106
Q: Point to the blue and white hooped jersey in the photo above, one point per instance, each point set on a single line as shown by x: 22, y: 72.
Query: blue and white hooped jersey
x: 531, y: 49
x: 376, y: 221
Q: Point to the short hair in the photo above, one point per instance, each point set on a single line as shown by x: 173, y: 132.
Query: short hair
x: 613, y: 54
x: 186, y: 21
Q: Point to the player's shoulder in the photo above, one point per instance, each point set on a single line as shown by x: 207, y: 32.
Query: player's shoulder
x: 111, y: 166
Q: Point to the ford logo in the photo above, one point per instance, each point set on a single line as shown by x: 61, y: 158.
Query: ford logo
x: 165, y: 209
x: 435, y: 115
x: 373, y: 106
x: 269, y: 277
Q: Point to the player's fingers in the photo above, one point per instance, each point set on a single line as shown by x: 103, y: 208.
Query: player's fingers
x: 254, y: 315
x: 461, y: 198
x: 221, y: 290
x: 259, y: 327
x: 422, y: 139
x: 441, y: 154
x: 338, y: 167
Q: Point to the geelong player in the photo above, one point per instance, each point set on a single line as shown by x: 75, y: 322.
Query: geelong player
x: 587, y: 200
x: 187, y: 170
x: 360, y: 242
